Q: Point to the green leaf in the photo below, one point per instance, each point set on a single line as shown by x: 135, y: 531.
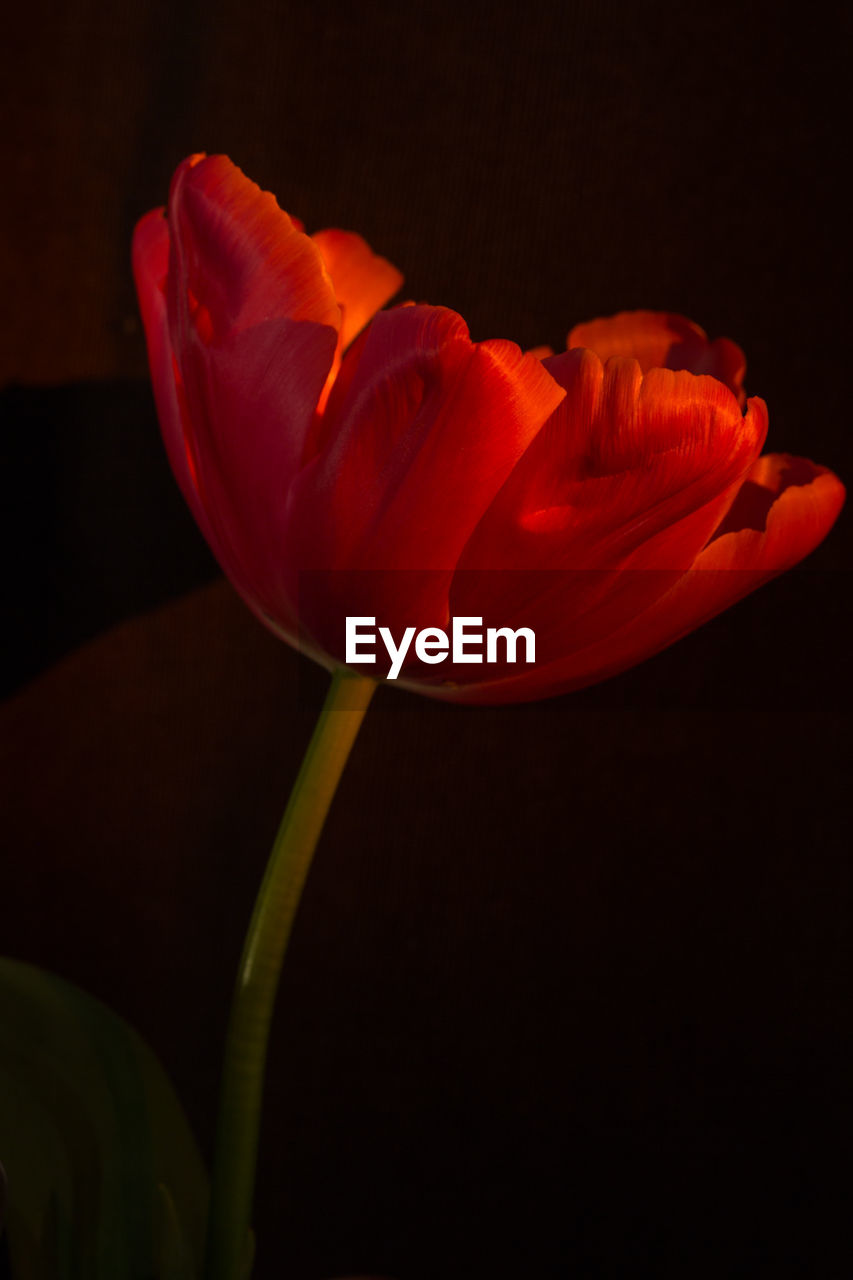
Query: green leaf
x: 104, y: 1178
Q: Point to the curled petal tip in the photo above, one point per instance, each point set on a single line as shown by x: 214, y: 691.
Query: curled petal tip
x: 663, y: 339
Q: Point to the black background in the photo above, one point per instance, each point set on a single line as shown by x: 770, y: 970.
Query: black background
x: 569, y: 990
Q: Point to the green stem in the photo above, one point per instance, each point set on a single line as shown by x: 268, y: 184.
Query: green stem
x: 232, y: 1188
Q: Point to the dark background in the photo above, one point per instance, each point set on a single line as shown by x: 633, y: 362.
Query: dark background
x: 569, y: 990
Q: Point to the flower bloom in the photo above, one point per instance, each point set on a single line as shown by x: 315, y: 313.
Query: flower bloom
x: 342, y: 460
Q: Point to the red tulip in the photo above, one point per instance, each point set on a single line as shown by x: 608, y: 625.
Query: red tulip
x: 610, y: 498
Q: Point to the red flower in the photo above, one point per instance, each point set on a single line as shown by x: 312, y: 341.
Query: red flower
x: 610, y: 498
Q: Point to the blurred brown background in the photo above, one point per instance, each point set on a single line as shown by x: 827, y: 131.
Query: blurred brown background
x: 569, y: 992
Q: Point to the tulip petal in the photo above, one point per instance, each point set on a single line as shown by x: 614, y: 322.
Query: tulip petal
x: 611, y: 504
x: 240, y: 254
x: 362, y: 281
x: 421, y: 431
x: 150, y: 269
x: 785, y: 509
x: 663, y: 340
x: 253, y: 322
x: 626, y: 466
